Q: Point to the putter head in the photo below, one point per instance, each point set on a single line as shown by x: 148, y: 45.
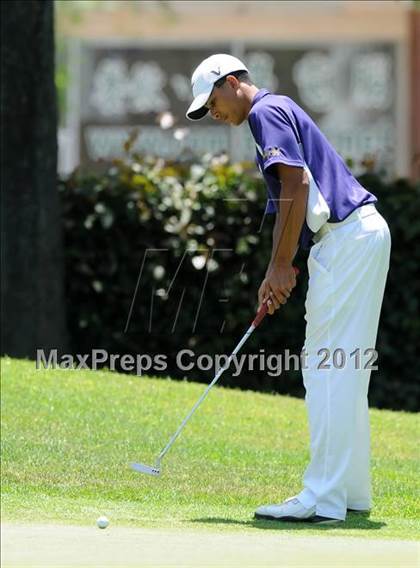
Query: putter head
x: 141, y: 468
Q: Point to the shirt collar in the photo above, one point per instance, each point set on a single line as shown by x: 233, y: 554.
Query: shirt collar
x: 259, y: 95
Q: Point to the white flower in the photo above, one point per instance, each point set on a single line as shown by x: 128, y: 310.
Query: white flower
x: 199, y: 261
x: 158, y: 272
x: 212, y: 265
x: 166, y: 120
x: 197, y: 171
x: 181, y: 133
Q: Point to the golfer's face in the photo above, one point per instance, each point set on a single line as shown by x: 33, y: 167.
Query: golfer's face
x: 223, y: 105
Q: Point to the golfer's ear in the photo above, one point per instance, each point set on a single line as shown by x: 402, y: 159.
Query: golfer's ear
x: 233, y: 81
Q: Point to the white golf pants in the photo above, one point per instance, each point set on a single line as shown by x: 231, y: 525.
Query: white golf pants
x: 347, y: 267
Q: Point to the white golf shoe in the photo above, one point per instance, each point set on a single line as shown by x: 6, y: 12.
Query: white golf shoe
x: 290, y: 510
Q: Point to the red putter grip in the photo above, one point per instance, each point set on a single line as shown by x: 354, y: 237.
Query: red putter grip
x: 262, y: 312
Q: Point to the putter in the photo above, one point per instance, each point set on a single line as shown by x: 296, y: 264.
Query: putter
x: 157, y: 469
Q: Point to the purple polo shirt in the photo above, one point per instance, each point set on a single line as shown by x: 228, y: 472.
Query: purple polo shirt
x: 285, y: 134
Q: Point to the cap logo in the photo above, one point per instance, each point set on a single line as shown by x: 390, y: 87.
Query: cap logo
x: 216, y: 72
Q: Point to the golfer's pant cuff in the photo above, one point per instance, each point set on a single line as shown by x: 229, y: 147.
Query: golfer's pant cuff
x: 359, y: 505
x: 307, y: 498
x: 331, y: 514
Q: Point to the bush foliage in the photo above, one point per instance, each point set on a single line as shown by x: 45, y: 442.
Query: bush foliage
x: 164, y: 256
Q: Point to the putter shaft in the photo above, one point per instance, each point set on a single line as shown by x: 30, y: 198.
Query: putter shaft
x: 256, y: 322
x: 206, y: 392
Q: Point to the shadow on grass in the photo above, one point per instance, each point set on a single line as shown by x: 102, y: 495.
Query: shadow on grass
x: 359, y: 521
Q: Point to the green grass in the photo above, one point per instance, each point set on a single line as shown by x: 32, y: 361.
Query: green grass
x: 68, y: 437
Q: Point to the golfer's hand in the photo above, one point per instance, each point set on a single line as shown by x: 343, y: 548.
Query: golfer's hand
x: 277, y: 287
x: 263, y: 294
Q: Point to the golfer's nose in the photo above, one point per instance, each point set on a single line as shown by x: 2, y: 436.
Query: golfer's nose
x: 215, y: 115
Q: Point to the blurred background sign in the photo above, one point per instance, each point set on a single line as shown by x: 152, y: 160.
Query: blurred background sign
x: 147, y: 88
x: 353, y: 66
x: 348, y: 89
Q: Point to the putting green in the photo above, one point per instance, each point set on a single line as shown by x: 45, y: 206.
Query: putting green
x: 68, y: 438
x: 30, y: 546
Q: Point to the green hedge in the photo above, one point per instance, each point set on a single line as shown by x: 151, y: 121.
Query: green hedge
x: 208, y: 218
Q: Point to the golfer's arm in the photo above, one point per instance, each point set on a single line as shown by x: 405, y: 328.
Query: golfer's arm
x: 276, y: 238
x: 291, y: 215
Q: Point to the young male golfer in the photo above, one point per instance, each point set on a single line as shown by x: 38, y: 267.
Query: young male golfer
x: 317, y: 202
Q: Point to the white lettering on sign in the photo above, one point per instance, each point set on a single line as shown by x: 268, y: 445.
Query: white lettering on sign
x: 315, y: 75
x: 117, y: 91
x: 181, y: 86
x: 146, y: 88
x: 371, y: 81
x: 107, y: 141
x: 261, y: 69
x: 109, y: 87
x: 356, y: 141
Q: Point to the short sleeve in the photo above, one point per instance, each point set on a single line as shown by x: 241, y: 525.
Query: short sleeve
x: 274, y: 136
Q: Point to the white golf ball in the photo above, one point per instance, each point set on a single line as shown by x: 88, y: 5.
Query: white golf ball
x: 102, y: 522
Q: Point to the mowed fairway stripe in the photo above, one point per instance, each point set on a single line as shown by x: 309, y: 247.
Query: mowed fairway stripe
x: 33, y: 546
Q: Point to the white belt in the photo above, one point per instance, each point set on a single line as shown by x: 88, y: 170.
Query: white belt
x: 359, y: 213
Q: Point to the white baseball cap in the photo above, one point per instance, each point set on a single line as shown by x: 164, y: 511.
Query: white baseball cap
x: 205, y: 76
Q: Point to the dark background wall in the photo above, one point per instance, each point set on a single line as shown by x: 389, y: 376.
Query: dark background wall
x: 31, y: 246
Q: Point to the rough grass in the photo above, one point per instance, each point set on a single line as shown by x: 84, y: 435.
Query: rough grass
x: 68, y: 438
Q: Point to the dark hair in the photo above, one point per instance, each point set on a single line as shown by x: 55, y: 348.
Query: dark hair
x: 240, y: 75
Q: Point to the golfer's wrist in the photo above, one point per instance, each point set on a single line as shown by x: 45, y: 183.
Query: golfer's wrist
x: 284, y: 258
x: 282, y: 264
